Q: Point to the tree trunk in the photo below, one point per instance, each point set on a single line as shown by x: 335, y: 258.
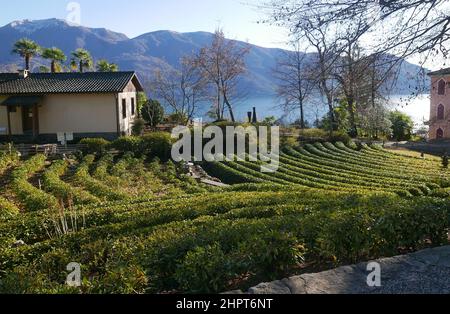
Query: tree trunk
x: 219, y: 115
x: 354, y: 129
x: 27, y: 63
x: 230, y: 108
x: 331, y: 115
x: 53, y: 66
x: 302, y: 115
x: 81, y: 66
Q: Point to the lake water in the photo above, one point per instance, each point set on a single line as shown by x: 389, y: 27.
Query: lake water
x: 418, y: 108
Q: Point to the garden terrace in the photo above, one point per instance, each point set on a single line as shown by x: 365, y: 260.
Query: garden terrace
x: 339, y: 167
x: 140, y: 226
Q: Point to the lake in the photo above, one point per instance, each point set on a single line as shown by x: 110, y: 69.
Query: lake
x: 418, y: 108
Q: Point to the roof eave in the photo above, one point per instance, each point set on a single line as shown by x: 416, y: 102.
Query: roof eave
x: 137, y: 83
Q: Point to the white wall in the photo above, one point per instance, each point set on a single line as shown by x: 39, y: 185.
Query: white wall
x: 127, y: 123
x: 16, y: 120
x: 78, y: 113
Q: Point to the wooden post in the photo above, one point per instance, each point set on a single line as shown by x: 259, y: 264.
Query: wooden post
x: 35, y: 120
x: 9, y: 122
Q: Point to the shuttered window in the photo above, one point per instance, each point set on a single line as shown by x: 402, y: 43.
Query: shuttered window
x: 124, y: 108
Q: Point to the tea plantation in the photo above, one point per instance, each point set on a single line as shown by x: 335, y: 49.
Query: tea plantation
x: 144, y: 226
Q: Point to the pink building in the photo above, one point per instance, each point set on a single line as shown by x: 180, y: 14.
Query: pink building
x: 440, y: 105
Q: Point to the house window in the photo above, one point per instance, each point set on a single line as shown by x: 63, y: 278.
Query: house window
x: 441, y: 87
x: 133, y: 108
x: 439, y: 134
x: 441, y: 112
x: 124, y: 108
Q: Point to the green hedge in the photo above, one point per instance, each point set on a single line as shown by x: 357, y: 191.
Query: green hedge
x: 95, y: 145
x: 32, y: 198
x: 206, y: 242
x: 152, y: 145
x: 7, y: 209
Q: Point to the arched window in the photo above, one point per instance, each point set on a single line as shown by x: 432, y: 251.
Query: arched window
x: 441, y: 87
x: 440, y: 134
x: 441, y: 112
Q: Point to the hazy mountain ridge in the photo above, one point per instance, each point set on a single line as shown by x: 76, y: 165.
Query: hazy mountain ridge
x: 150, y: 50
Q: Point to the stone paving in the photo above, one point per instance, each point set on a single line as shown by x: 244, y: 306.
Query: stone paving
x: 423, y: 272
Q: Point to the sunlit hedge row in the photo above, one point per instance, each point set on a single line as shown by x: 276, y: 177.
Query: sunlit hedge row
x: 30, y: 196
x: 340, y: 167
x: 219, y: 241
x: 54, y: 185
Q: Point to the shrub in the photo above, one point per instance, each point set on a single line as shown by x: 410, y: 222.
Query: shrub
x: 32, y: 197
x: 7, y: 160
x: 95, y: 145
x: 177, y: 118
x: 271, y: 254
x: 352, y: 145
x: 7, y: 209
x: 442, y: 193
x: 157, y: 144
x: 345, y: 236
x: 62, y: 190
x: 138, y: 127
x: 83, y: 178
x: 152, y: 112
x: 203, y: 270
x: 340, y: 137
x: 289, y: 142
x: 132, y: 144
x: 313, y: 133
x: 416, y: 192
x: 445, y: 161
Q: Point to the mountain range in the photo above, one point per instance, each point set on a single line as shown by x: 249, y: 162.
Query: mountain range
x: 151, y: 50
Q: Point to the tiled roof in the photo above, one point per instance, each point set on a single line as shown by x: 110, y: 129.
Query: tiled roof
x: 61, y: 83
x: 440, y: 72
x: 8, y: 76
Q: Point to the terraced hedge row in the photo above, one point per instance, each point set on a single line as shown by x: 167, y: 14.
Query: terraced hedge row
x: 33, y: 198
x: 83, y: 178
x: 37, y: 184
x: 218, y: 241
x: 149, y: 228
x: 339, y: 167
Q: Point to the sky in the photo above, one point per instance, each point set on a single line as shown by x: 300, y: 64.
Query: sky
x: 238, y: 18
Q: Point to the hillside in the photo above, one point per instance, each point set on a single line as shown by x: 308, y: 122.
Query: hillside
x: 150, y: 50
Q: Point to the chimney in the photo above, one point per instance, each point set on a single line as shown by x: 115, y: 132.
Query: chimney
x: 255, y: 119
x: 23, y: 74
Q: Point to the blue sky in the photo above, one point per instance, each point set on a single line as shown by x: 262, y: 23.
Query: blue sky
x: 238, y: 18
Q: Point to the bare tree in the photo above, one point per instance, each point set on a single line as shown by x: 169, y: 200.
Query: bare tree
x: 222, y: 64
x: 363, y: 80
x: 324, y: 63
x: 182, y: 90
x: 342, y: 69
x: 295, y: 77
x: 401, y: 27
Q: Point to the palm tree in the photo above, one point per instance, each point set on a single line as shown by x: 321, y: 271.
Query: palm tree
x: 104, y: 66
x: 81, y: 58
x: 27, y: 49
x: 56, y: 56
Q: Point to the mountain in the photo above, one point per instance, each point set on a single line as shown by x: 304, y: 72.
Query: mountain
x: 149, y: 51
